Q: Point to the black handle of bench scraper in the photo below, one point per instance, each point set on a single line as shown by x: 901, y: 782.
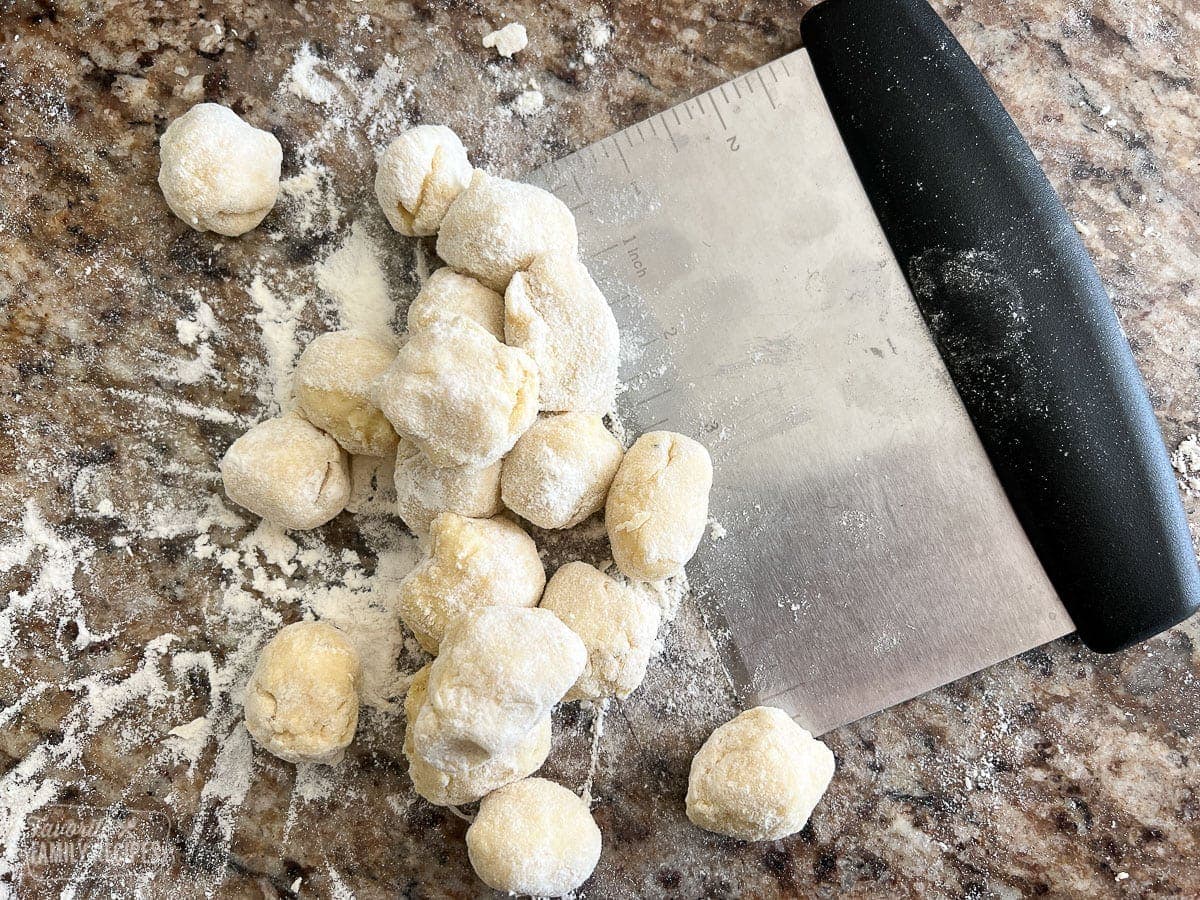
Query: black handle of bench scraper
x: 1017, y: 311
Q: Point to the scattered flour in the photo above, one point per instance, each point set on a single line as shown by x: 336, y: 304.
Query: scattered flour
x: 529, y: 103
x: 596, y: 34
x: 353, y: 276
x: 1186, y: 460
x: 277, y: 320
x: 510, y: 39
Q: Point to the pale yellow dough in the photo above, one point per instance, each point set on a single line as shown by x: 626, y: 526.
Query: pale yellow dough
x: 534, y: 837
x: 451, y: 788
x: 615, y: 621
x: 287, y: 471
x: 419, y: 175
x: 497, y: 227
x: 658, y: 505
x: 758, y: 777
x: 448, y: 293
x: 459, y: 394
x: 499, y: 673
x: 218, y: 172
x: 555, y: 313
x: 472, y: 563
x: 301, y: 702
x: 335, y: 387
x: 559, y: 472
x: 424, y: 491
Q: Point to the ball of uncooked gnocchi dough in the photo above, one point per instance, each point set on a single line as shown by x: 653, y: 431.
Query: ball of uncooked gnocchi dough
x: 302, y: 699
x: 498, y: 674
x: 472, y: 563
x: 658, y: 505
x: 334, y: 381
x: 534, y: 837
x: 497, y: 227
x: 448, y: 293
x: 425, y: 491
x: 459, y: 394
x: 615, y: 621
x: 555, y: 313
x: 758, y: 777
x: 559, y: 472
x: 287, y: 471
x: 218, y: 172
x: 419, y: 175
x: 456, y: 788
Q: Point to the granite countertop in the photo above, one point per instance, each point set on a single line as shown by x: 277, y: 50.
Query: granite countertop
x: 135, y: 350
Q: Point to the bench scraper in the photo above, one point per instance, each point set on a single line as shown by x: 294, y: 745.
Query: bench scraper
x: 847, y: 276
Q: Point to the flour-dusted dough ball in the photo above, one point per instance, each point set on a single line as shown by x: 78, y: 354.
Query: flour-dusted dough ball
x: 534, y: 837
x: 218, y: 172
x: 658, y: 505
x: 287, y: 471
x: 497, y: 227
x: 558, y: 473
x: 758, y: 777
x: 448, y: 293
x: 472, y: 563
x: 616, y: 623
x: 419, y: 175
x: 459, y: 394
x: 302, y: 700
x: 453, y: 788
x: 425, y: 491
x: 335, y: 387
x: 555, y: 313
x: 499, y: 673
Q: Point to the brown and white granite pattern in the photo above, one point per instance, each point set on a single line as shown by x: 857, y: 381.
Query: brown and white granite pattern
x: 1059, y: 773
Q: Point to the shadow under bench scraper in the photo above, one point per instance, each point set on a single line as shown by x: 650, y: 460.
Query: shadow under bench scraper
x: 846, y: 274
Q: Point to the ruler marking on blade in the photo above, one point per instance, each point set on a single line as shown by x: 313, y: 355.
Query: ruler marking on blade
x: 786, y: 71
x: 621, y: 153
x: 654, y: 397
x: 667, y: 128
x: 733, y: 84
x: 749, y: 84
x: 765, y: 91
x: 687, y: 108
x: 717, y: 110
x: 724, y: 96
x: 675, y: 113
x: 771, y: 69
x: 607, y: 249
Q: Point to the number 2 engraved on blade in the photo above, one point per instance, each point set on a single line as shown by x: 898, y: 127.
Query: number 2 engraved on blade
x: 732, y: 141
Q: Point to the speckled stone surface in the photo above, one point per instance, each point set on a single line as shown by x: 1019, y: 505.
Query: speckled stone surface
x: 1059, y: 773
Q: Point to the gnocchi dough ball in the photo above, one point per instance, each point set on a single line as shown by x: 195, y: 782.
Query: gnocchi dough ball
x: 534, y: 837
x: 218, y: 172
x: 559, y: 471
x: 555, y: 313
x: 302, y: 699
x: 448, y: 293
x: 459, y: 394
x: 658, y: 505
x: 456, y: 788
x: 335, y: 387
x: 472, y: 563
x: 419, y: 175
x: 499, y: 673
x: 497, y: 227
x: 423, y: 491
x: 758, y: 777
x: 287, y: 471
x: 615, y: 622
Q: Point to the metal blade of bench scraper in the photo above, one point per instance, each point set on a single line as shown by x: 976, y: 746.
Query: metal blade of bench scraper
x: 870, y: 553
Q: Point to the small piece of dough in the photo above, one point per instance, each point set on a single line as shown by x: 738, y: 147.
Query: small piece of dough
x: 616, y: 624
x: 658, y: 505
x: 287, y: 471
x: 459, y: 394
x: 424, y: 491
x: 512, y: 38
x: 472, y: 563
x: 497, y: 227
x: 448, y: 293
x: 419, y: 175
x: 758, y: 777
x: 218, y: 172
x: 555, y: 313
x: 498, y: 674
x: 302, y: 700
x: 335, y: 387
x: 534, y: 837
x: 559, y: 472
x: 456, y: 788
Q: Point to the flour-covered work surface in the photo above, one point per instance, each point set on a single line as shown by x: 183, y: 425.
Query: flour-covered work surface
x: 137, y: 596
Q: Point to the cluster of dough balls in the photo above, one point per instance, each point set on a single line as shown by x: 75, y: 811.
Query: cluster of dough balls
x: 495, y: 399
